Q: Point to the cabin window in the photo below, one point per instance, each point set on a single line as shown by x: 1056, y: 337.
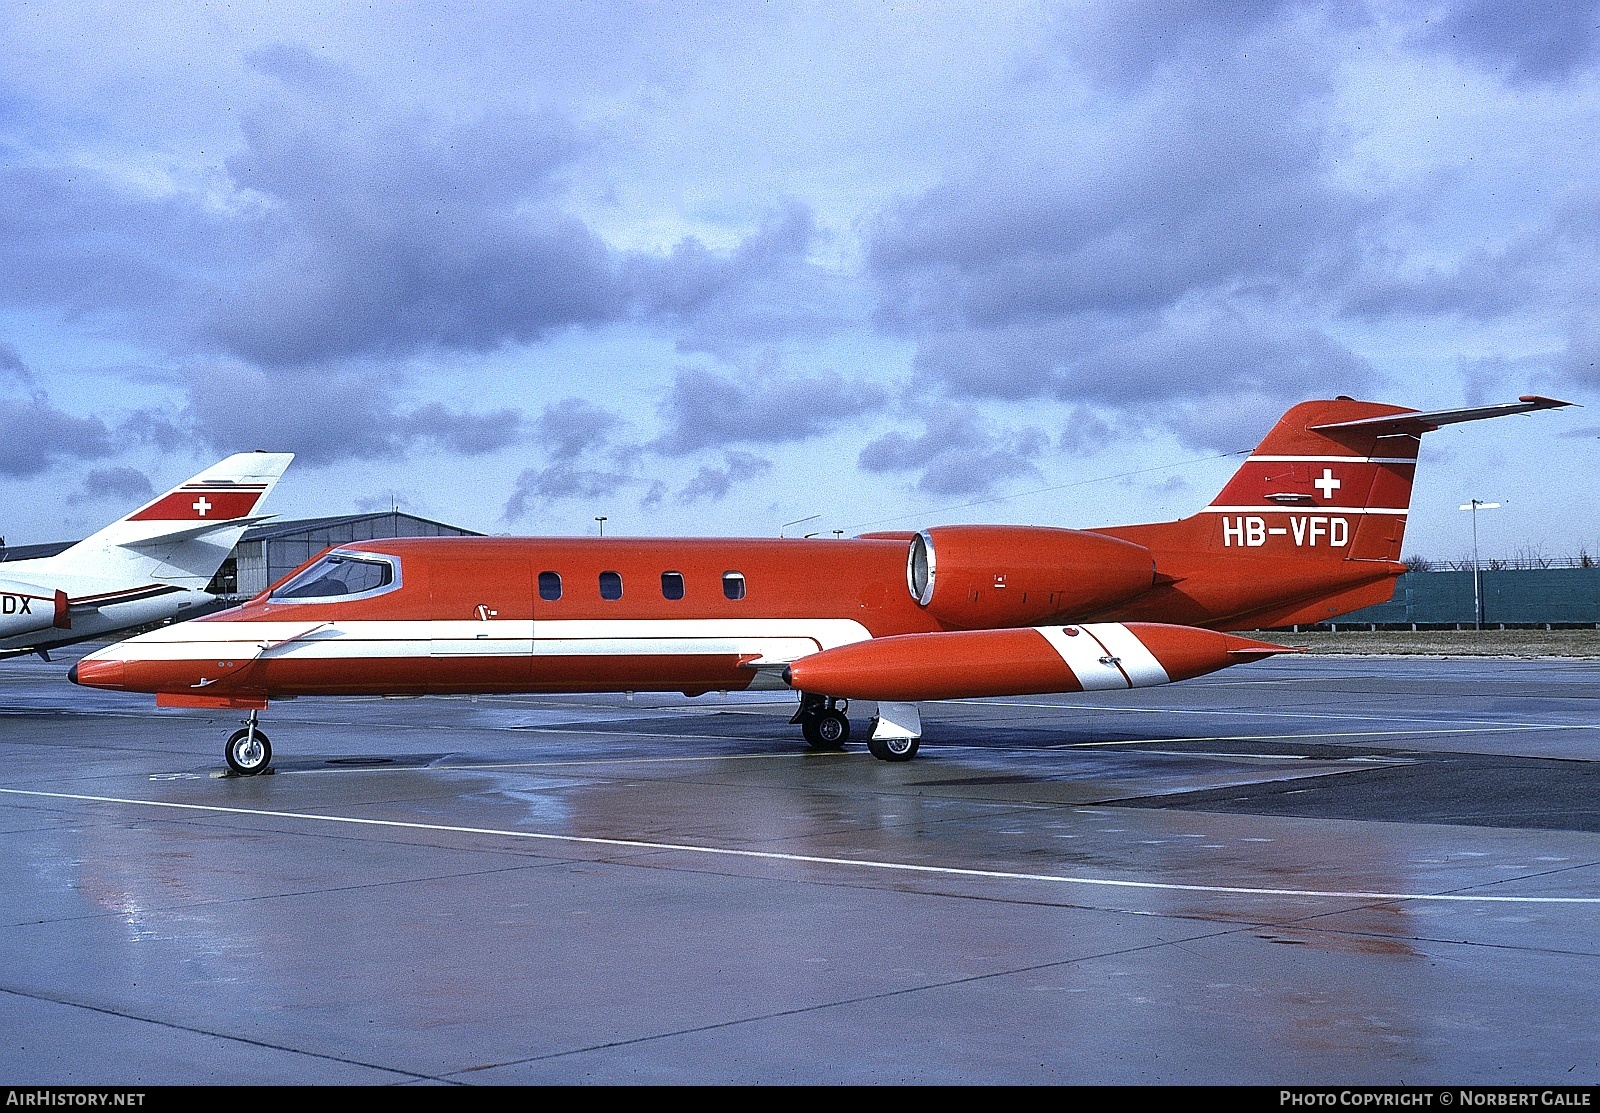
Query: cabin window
x: 550, y: 586
x: 672, y: 585
x: 611, y: 585
x: 733, y: 585
x: 339, y: 576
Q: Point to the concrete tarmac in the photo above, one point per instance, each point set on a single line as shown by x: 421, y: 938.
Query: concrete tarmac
x: 1307, y: 871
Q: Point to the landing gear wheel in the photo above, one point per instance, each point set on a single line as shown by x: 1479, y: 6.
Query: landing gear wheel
x: 828, y: 731
x: 823, y: 722
x: 893, y: 749
x: 247, y: 753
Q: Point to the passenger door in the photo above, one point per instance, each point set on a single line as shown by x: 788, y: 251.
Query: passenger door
x: 481, y: 628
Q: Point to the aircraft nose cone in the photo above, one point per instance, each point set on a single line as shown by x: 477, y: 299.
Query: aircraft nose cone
x: 97, y: 674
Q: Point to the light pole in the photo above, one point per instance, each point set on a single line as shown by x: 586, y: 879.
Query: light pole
x: 602, y: 520
x: 1477, y: 592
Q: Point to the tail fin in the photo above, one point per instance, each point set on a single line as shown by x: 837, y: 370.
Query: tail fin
x: 183, y: 536
x: 1333, y: 479
x: 1308, y: 528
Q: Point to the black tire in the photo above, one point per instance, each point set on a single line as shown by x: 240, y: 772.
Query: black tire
x: 832, y: 730
x: 893, y: 749
x: 826, y: 730
x: 245, y: 758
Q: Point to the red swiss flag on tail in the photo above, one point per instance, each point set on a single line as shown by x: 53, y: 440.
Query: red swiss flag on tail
x: 203, y: 503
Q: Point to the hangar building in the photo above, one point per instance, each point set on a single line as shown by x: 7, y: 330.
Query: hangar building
x: 270, y: 551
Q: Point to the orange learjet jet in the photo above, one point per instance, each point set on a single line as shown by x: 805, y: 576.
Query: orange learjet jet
x: 1309, y: 528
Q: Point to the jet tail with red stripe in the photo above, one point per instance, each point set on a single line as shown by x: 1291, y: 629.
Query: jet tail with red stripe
x: 180, y: 537
x: 1310, y: 526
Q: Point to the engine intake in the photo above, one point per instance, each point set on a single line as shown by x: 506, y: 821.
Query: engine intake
x: 985, y: 577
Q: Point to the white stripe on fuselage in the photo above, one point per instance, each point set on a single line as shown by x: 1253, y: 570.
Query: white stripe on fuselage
x: 778, y: 639
x: 1332, y: 460
x: 1326, y: 508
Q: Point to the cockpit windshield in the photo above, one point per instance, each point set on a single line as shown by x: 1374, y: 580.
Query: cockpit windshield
x: 339, y: 576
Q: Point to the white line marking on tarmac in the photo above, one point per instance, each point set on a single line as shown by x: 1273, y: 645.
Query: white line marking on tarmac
x: 810, y: 859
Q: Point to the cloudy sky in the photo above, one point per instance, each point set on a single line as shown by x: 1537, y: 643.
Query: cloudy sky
x: 734, y: 268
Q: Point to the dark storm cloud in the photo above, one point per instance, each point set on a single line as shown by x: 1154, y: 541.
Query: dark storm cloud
x: 347, y: 227
x: 34, y: 435
x: 162, y: 429
x: 764, y: 289
x: 321, y: 417
x: 354, y: 228
x: 958, y: 453
x: 401, y: 236
x: 587, y: 456
x: 1526, y: 41
x: 574, y: 426
x: 74, y: 241
x: 591, y: 452
x: 1163, y: 273
x: 713, y: 483
x: 121, y: 485
x: 1143, y: 364
x: 393, y: 232
x: 12, y: 367
x: 564, y: 482
x: 1481, y: 285
x: 1129, y: 43
x: 462, y: 432
x: 706, y: 409
x: 1210, y: 200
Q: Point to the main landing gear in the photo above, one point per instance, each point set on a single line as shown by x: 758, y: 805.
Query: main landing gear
x: 892, y: 749
x: 893, y: 735
x: 823, y: 722
x: 248, y: 751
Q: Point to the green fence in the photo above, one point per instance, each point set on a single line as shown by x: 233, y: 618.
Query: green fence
x: 1538, y: 597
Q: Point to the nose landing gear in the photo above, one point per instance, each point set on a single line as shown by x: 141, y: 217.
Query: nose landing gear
x: 248, y: 752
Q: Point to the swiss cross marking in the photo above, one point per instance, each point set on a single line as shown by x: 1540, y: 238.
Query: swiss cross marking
x: 201, y: 506
x: 1327, y: 484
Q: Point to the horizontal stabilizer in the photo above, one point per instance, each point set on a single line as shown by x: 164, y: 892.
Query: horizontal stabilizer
x: 189, y: 533
x: 1417, y: 422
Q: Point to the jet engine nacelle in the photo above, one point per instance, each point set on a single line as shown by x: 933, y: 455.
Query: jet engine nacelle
x: 24, y: 609
x: 982, y: 577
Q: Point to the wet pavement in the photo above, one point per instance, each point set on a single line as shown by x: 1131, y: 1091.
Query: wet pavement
x: 1308, y: 871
